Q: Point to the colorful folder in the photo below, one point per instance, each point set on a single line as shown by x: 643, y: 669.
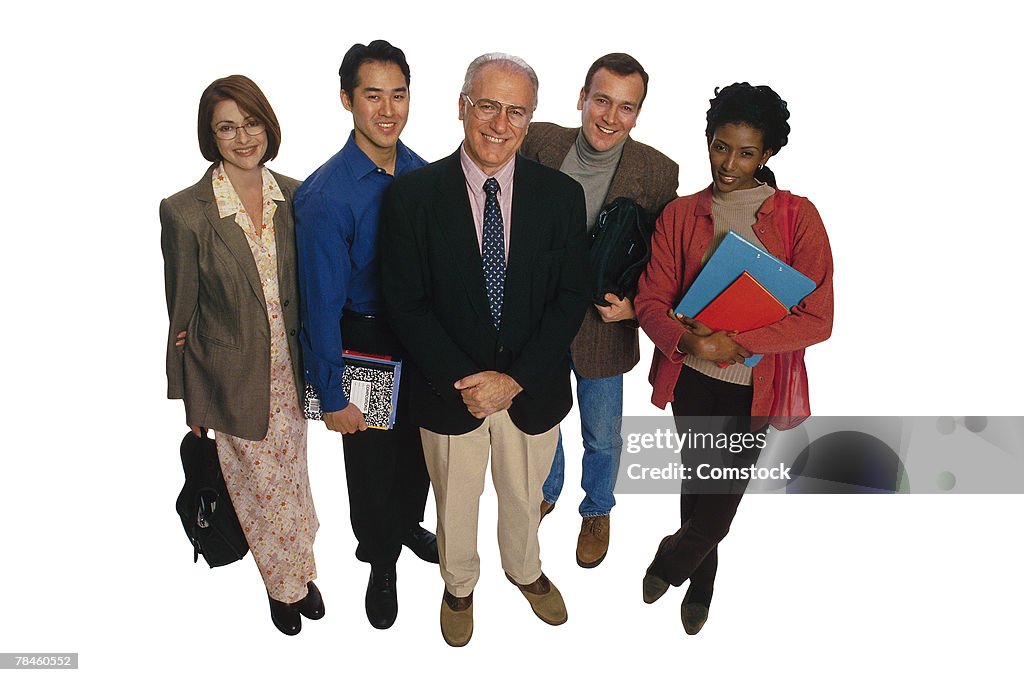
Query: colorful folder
x: 734, y: 256
x: 744, y: 305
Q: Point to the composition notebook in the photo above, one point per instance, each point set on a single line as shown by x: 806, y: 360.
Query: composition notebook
x: 734, y: 256
x: 370, y: 383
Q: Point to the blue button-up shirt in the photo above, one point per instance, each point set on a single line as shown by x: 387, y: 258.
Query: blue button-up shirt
x: 336, y: 214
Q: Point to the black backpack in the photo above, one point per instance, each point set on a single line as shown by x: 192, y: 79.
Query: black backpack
x: 205, y: 507
x: 620, y: 247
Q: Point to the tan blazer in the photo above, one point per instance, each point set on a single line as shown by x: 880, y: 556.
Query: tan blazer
x: 644, y: 175
x: 214, y: 292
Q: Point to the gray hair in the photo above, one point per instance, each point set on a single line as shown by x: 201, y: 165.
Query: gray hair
x: 507, y: 61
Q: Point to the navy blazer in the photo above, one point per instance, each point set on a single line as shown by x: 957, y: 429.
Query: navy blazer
x: 434, y: 290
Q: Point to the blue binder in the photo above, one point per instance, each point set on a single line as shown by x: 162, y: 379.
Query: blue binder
x: 734, y: 256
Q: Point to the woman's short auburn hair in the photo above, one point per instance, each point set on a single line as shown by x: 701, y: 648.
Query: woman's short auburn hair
x: 250, y: 99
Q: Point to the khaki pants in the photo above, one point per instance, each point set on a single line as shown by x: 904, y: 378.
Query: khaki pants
x: 457, y: 467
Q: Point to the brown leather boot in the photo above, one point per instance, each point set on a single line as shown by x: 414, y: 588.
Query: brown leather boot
x: 592, y: 545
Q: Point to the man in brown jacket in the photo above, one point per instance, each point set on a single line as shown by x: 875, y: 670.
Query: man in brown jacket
x: 602, y: 157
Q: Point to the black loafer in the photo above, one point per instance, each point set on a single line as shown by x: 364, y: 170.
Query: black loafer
x: 654, y: 585
x: 692, y: 613
x: 382, y: 598
x: 285, y: 616
x: 422, y: 542
x: 312, y: 605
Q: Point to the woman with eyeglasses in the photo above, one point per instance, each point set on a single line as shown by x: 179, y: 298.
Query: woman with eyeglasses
x: 232, y: 347
x: 701, y: 371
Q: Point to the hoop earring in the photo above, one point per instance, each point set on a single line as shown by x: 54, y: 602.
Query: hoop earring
x: 760, y: 166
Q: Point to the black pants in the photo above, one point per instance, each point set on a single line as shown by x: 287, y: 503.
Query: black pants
x: 692, y: 552
x: 386, y: 473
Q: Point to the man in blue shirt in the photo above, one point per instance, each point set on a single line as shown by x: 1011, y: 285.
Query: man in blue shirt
x: 336, y: 212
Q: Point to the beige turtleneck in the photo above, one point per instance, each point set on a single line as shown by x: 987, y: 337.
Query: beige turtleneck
x: 735, y: 211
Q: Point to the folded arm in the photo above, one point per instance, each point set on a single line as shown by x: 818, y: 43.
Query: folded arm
x: 809, y: 322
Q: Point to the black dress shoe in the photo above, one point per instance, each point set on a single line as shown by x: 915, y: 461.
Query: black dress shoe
x: 422, y: 542
x: 312, y: 605
x: 285, y: 616
x: 382, y: 598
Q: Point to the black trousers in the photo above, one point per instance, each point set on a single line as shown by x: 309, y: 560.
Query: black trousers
x: 386, y: 473
x: 691, y: 553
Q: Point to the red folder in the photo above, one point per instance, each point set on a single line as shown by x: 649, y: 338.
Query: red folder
x: 744, y: 305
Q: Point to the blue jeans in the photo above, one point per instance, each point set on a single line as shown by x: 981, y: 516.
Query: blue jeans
x: 600, y: 402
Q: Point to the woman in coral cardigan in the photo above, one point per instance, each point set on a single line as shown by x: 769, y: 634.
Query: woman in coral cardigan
x: 746, y: 125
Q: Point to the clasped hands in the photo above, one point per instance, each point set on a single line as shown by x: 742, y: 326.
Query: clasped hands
x: 487, y: 392
x: 702, y: 342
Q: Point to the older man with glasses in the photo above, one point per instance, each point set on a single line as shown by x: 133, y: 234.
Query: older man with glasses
x: 484, y: 271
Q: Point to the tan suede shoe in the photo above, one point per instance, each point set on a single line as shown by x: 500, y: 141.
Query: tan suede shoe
x: 545, y: 599
x: 456, y: 619
x: 592, y: 545
x: 546, y: 508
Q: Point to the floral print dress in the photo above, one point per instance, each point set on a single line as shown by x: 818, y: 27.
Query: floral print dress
x: 268, y: 479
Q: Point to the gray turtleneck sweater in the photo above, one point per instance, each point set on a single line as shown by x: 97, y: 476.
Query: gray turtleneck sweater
x: 592, y: 169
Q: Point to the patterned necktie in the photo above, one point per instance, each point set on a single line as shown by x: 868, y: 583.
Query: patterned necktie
x: 494, y: 251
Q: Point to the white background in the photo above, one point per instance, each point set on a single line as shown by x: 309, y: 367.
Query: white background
x: 906, y: 135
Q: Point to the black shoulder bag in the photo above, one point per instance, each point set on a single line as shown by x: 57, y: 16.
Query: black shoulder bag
x: 205, y: 507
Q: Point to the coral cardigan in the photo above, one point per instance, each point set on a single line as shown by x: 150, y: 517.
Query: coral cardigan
x: 683, y: 233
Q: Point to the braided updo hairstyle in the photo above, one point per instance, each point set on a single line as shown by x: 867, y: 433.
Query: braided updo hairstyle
x: 757, y: 106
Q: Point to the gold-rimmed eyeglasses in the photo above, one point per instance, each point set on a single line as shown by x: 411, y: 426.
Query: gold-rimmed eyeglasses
x: 488, y: 109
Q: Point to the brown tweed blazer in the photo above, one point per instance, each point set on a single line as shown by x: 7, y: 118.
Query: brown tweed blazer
x: 214, y: 292
x: 648, y: 177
